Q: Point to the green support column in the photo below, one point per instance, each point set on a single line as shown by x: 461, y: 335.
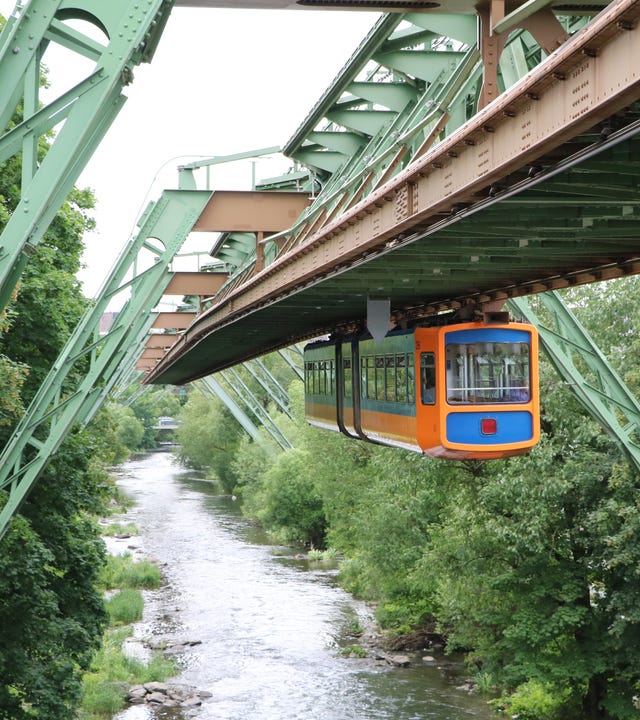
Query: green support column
x: 259, y: 371
x: 240, y: 388
x: 603, y: 393
x: 210, y: 385
x: 132, y: 30
x: 59, y: 404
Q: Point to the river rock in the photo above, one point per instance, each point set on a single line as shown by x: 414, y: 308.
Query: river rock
x: 394, y: 659
x: 191, y: 702
x: 398, y: 660
x: 137, y: 693
x: 468, y: 686
x: 157, y: 687
x: 178, y: 646
x: 157, y: 698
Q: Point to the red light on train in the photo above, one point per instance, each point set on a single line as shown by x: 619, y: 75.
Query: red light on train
x: 488, y: 426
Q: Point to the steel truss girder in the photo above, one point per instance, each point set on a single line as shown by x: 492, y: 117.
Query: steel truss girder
x: 132, y: 29
x: 211, y: 385
x: 249, y: 400
x: 99, y: 361
x: 601, y: 391
x: 259, y: 371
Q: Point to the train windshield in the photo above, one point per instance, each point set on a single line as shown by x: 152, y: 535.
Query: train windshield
x: 488, y: 372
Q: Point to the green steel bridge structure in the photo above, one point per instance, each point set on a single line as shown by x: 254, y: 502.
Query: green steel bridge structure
x: 467, y: 156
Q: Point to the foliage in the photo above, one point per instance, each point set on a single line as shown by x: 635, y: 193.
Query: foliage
x: 111, y: 670
x: 130, y: 430
x: 118, y: 529
x: 121, y: 571
x: 51, y: 616
x: 535, y: 701
x: 289, y: 501
x: 12, y: 377
x: 209, y: 438
x: 148, y: 408
x: 125, y: 607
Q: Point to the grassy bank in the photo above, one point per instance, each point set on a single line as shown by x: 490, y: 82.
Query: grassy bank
x: 112, y: 671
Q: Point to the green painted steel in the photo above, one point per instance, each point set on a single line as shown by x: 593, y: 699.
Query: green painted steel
x: 599, y: 388
x: 210, y: 385
x: 259, y: 372
x: 294, y: 358
x: 232, y: 378
x: 140, y: 273
x: 225, y: 392
x: 132, y: 30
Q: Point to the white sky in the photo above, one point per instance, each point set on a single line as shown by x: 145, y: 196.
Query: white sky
x: 221, y: 82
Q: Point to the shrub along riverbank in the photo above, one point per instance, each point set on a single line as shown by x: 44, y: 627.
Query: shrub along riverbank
x: 112, y: 671
x: 528, y: 565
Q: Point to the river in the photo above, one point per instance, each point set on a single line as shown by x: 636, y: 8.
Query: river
x: 269, y: 626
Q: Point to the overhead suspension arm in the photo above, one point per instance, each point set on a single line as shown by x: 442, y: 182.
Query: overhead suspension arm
x: 602, y: 392
x: 82, y: 115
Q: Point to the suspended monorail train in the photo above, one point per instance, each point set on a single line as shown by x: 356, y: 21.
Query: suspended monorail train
x: 461, y: 391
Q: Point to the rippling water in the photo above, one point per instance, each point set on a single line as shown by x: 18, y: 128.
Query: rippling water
x: 269, y: 629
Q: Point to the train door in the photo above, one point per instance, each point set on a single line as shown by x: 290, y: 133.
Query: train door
x: 429, y: 372
x: 347, y: 399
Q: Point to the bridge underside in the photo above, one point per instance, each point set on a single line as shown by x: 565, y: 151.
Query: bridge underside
x: 427, y: 6
x: 535, y: 191
x: 572, y: 219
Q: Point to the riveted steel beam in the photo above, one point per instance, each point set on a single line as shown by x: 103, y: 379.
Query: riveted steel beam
x: 72, y: 392
x: 536, y: 116
x: 600, y: 389
x: 83, y: 114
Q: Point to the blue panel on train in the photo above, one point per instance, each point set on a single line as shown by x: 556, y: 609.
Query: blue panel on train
x: 510, y: 427
x: 488, y: 334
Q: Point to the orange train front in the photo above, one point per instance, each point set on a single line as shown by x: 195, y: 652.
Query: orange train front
x: 463, y: 391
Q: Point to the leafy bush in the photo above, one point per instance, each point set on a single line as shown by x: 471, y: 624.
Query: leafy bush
x: 122, y: 572
x: 535, y: 701
x: 290, y: 502
x: 125, y: 607
x: 103, y: 688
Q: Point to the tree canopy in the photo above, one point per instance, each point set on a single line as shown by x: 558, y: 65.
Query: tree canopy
x: 51, y: 616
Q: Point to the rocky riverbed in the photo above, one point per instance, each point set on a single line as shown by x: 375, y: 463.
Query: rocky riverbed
x: 259, y: 633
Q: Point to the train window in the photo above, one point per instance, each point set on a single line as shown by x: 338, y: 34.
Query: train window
x: 428, y: 378
x: 368, y: 377
x: 311, y: 377
x: 401, y: 378
x: 322, y: 378
x: 380, y: 378
x: 488, y: 372
x: 390, y: 378
x: 347, y: 379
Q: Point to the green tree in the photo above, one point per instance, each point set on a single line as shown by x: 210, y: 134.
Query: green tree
x: 518, y: 561
x: 51, y: 617
x: 209, y: 437
x: 129, y: 430
x: 290, y: 502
